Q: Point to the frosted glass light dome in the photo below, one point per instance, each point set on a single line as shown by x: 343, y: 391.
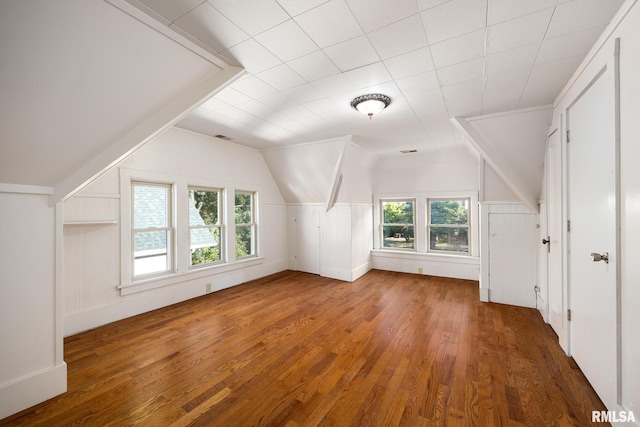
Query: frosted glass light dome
x: 371, y: 104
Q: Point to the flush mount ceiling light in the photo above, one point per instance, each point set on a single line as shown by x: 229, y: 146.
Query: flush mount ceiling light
x: 371, y: 104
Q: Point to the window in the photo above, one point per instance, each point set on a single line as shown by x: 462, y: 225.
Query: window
x: 205, y: 226
x: 152, y: 231
x: 245, y: 224
x: 448, y: 225
x: 398, y: 224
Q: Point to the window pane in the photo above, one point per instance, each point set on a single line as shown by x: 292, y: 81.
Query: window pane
x: 203, y: 207
x: 243, y: 208
x: 150, y: 252
x: 150, y: 206
x: 244, y: 240
x: 400, y: 212
x: 453, y: 239
x: 397, y: 237
x: 449, y: 211
x: 205, y: 245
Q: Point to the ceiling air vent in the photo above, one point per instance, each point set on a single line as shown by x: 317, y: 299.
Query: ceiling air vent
x: 408, y: 151
x: 225, y: 137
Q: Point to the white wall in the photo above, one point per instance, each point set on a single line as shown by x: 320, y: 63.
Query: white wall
x: 418, y: 174
x: 92, y: 251
x: 32, y: 367
x: 601, y: 54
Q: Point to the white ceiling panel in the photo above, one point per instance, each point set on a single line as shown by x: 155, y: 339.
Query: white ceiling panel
x: 459, y: 49
x: 287, y: 41
x: 508, y: 79
x: 410, y: 64
x: 578, y: 15
x: 281, y: 77
x: 374, y: 14
x: 253, y: 16
x: 252, y: 56
x: 462, y: 90
x: 311, y: 57
x: 330, y: 24
x: 512, y: 59
x: 577, y: 43
x: 256, y: 108
x: 333, y: 85
x: 231, y: 96
x: 211, y: 27
x: 303, y: 93
x: 253, y: 87
x: 398, y: 38
x: 504, y: 10
x: 369, y: 75
x: 500, y: 100
x: 420, y: 82
x: 352, y: 54
x: 461, y: 72
x: 518, y: 32
x: 314, y: 66
x: 171, y: 9
x: 296, y: 7
x: 321, y: 106
x: 467, y: 106
x: 454, y: 18
x: 428, y: 4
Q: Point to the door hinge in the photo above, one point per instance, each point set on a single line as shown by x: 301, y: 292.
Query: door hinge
x: 568, y: 137
x: 569, y: 315
x: 569, y: 226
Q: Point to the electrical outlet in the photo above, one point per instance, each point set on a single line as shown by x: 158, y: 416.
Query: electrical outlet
x: 420, y: 270
x: 207, y: 287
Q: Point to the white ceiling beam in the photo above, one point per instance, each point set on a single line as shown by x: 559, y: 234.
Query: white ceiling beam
x: 165, y: 117
x: 498, y: 162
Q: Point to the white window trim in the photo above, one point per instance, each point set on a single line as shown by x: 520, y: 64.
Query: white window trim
x: 182, y: 272
x: 254, y: 221
x: 420, y: 233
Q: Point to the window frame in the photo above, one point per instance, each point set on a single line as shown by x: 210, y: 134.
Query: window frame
x: 421, y: 226
x: 220, y: 225
x: 382, y: 224
x: 253, y: 225
x: 170, y: 229
x: 429, y: 225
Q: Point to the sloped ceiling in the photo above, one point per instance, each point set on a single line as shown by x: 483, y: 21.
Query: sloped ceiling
x: 76, y: 77
x: 436, y: 59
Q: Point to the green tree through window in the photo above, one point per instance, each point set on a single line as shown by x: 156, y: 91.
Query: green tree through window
x: 398, y: 224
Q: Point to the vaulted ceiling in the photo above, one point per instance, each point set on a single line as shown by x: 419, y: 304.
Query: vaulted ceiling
x: 437, y: 59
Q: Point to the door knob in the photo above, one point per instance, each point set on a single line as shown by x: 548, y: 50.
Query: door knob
x: 546, y: 241
x: 595, y: 257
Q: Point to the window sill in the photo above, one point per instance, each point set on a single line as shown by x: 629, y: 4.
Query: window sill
x: 458, y: 259
x: 180, y: 277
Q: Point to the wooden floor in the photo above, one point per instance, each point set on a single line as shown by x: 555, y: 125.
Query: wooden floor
x: 295, y: 349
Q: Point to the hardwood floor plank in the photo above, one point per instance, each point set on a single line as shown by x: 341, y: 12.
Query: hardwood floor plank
x: 295, y: 349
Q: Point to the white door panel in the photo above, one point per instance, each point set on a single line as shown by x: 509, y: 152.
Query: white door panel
x: 513, y: 247
x: 555, y: 231
x: 592, y: 285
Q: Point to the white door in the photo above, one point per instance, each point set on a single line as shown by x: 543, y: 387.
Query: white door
x: 513, y: 252
x: 308, y: 239
x: 557, y: 318
x: 592, y: 215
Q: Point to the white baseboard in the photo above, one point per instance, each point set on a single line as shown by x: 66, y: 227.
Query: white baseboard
x: 360, y: 271
x: 484, y: 294
x: 25, y: 392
